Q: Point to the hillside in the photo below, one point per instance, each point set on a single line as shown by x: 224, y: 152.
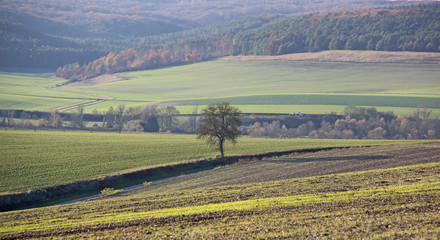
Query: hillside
x: 255, y: 84
x: 382, y: 202
x: 405, y: 29
x: 50, y: 33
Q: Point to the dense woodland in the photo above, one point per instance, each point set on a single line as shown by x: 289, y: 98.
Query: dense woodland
x: 52, y: 33
x: 412, y: 29
x: 404, y: 29
x: 170, y: 49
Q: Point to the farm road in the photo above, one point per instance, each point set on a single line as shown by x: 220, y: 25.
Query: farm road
x: 100, y: 98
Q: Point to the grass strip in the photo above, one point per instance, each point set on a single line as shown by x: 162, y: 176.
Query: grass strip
x: 91, y: 220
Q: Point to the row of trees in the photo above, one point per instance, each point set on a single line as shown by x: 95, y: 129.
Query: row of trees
x: 147, y: 119
x: 130, y: 60
x: 164, y: 50
x: 358, y: 123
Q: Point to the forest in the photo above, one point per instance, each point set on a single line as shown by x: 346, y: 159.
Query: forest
x: 52, y: 33
x: 403, y: 29
x: 412, y: 29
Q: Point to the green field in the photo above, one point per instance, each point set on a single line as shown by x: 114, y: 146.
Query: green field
x: 256, y: 86
x: 31, y: 91
x: 368, y: 200
x: 32, y: 160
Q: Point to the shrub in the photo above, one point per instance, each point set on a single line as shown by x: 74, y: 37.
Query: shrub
x: 41, y: 123
x: 133, y: 126
x: 109, y: 191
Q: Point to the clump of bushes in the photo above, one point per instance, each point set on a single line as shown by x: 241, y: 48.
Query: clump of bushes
x: 358, y: 123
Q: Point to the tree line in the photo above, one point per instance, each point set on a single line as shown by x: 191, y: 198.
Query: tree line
x: 354, y: 123
x: 404, y: 29
x: 148, y: 58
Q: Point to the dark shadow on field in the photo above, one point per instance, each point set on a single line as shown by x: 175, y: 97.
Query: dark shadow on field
x: 58, y: 193
x: 329, y: 159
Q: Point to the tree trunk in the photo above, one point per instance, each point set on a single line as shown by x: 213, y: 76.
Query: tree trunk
x: 221, y: 148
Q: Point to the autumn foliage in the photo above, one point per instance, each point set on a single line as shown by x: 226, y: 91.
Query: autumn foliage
x: 130, y: 60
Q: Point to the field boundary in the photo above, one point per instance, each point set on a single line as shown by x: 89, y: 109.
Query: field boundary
x: 44, y: 196
x: 349, y: 56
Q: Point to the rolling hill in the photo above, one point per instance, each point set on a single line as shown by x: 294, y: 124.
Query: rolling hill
x: 413, y: 28
x: 47, y: 33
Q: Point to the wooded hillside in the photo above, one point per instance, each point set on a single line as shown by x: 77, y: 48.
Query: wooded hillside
x: 405, y: 29
x: 51, y: 33
x: 412, y: 29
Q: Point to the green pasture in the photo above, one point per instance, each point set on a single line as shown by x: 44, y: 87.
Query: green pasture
x: 31, y: 91
x: 218, y: 78
x: 32, y: 160
x: 327, y: 99
x: 308, y: 109
x: 256, y: 86
x: 279, y: 83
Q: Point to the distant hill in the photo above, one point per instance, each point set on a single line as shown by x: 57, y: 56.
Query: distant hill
x: 50, y: 33
x: 403, y: 29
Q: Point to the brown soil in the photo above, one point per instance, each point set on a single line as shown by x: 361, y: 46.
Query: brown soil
x: 349, y: 56
x: 106, y: 78
x: 317, y: 164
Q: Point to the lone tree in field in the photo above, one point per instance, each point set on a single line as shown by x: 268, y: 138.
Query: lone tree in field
x: 220, y: 123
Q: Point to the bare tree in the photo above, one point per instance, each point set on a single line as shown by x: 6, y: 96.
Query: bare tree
x: 55, y: 120
x: 220, y: 123
x: 77, y: 120
x: 193, y: 119
x: 167, y: 117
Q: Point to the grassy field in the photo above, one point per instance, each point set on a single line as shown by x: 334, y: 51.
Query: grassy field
x: 369, y: 200
x: 258, y: 83
x: 31, y: 91
x: 39, y: 159
x: 255, y: 86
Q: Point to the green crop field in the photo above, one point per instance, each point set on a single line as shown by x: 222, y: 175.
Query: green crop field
x: 31, y: 91
x: 255, y: 86
x: 369, y: 200
x: 39, y: 159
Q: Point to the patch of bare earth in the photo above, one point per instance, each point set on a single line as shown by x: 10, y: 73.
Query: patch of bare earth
x: 106, y: 78
x: 320, y: 163
x: 349, y: 56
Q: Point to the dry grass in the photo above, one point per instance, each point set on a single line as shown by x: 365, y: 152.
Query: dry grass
x: 106, y: 78
x: 349, y: 56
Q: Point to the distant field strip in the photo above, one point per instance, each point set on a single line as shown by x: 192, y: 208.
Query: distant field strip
x: 321, y: 99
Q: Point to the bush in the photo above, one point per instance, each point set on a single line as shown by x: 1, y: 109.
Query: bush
x: 41, y: 123
x: 133, y: 126
x: 109, y: 191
